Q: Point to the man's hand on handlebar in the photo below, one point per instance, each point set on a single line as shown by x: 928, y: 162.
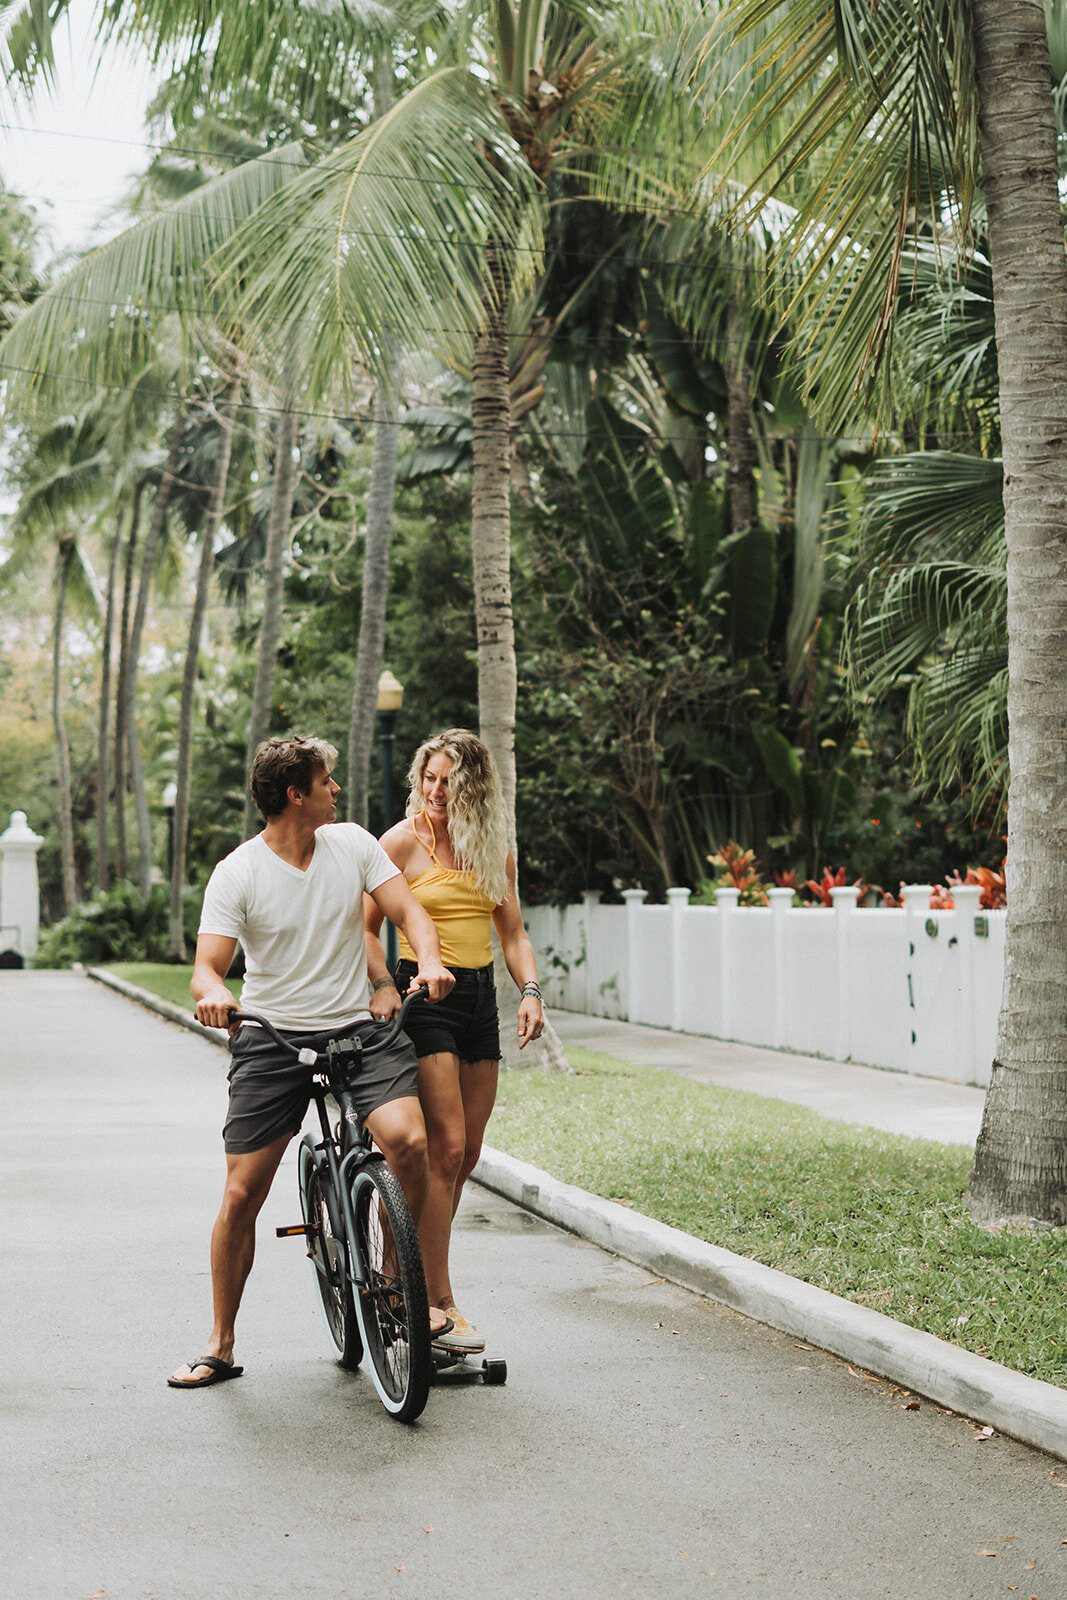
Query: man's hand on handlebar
x: 434, y: 978
x: 213, y: 1010
x: 385, y: 1002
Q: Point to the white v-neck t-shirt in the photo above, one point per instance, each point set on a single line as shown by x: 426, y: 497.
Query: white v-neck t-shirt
x: 301, y: 932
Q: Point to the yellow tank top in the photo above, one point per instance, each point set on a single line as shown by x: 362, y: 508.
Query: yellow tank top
x: 461, y: 913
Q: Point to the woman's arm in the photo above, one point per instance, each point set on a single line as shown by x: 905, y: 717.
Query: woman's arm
x: 520, y: 958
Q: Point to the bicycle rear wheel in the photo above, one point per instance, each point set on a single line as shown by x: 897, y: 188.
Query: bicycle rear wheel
x: 393, y: 1310
x: 326, y: 1255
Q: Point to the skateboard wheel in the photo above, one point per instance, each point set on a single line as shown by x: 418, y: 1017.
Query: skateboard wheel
x: 494, y: 1372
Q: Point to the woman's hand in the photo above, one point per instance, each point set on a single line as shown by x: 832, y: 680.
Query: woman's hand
x: 531, y: 1020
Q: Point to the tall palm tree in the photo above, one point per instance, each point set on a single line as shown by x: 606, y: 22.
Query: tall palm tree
x: 905, y: 101
x: 66, y: 459
x: 227, y: 406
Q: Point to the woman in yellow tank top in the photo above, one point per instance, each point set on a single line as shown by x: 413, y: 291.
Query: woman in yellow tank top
x: 452, y: 849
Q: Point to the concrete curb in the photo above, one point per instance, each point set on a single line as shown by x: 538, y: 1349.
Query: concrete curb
x: 1022, y: 1407
x: 153, y: 1002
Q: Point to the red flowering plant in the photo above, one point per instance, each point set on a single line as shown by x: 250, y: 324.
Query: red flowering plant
x: 994, y: 892
x: 821, y: 889
x: 736, y: 869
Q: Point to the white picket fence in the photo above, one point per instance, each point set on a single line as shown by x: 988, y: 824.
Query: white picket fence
x: 911, y: 989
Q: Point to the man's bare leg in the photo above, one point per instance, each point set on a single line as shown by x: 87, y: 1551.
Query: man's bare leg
x: 233, y: 1245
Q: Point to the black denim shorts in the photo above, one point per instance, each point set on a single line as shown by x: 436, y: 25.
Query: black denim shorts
x: 463, y: 1024
x: 270, y: 1090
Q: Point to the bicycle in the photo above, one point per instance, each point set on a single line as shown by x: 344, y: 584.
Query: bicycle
x: 360, y: 1236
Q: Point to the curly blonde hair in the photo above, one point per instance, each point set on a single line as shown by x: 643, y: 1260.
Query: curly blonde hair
x: 477, y: 820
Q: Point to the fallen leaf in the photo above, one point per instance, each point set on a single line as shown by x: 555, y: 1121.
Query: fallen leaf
x: 402, y: 1569
x: 1030, y: 1565
x: 428, y: 1530
x: 913, y: 1405
x: 810, y: 1348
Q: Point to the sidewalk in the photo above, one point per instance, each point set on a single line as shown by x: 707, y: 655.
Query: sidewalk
x: 895, y: 1102
x: 970, y: 1385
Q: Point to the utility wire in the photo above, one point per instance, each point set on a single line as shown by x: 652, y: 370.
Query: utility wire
x: 860, y: 442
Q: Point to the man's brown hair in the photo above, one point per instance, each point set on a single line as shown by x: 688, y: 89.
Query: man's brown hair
x: 279, y: 764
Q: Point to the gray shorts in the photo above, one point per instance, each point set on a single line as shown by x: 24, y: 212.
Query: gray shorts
x: 270, y: 1090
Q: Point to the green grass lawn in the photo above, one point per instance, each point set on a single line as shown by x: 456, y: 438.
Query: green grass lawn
x: 169, y: 983
x: 874, y: 1217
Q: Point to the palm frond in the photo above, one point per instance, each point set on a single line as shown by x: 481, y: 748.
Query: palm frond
x: 108, y: 313
x: 390, y: 232
x: 883, y: 111
x: 943, y: 502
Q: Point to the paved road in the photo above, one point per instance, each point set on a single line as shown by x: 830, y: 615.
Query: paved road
x: 648, y: 1442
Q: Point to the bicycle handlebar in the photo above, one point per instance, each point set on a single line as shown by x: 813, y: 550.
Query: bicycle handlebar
x: 311, y: 1058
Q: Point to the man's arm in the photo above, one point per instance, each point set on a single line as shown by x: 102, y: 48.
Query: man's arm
x: 214, y: 954
x: 395, y: 900
x: 385, y: 1000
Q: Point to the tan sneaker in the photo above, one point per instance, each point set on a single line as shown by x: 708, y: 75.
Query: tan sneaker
x: 462, y: 1337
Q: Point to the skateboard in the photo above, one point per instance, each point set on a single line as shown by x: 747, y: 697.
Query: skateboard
x: 452, y: 1365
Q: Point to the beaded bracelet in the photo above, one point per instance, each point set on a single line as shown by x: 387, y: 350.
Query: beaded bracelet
x: 531, y: 989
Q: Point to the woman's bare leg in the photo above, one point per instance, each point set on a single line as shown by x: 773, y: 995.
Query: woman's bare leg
x: 442, y: 1109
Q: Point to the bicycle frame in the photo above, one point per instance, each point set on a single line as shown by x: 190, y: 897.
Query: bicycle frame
x: 340, y: 1163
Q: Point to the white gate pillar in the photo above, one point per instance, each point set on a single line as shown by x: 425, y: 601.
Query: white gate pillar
x: 20, y: 895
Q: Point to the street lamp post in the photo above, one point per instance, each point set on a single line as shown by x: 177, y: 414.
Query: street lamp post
x: 390, y: 700
x: 170, y: 800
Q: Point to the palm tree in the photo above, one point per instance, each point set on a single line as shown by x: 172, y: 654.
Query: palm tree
x: 64, y: 462
x: 184, y: 763
x: 905, y: 102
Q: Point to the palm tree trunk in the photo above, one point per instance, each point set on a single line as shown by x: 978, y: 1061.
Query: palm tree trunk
x: 1020, y: 1167
x: 380, y: 502
x: 741, y: 484
x: 381, y: 499
x: 126, y: 720
x: 104, y: 714
x: 491, y: 553
x: 140, y: 806
x: 129, y: 568
x: 175, y: 933
x: 64, y: 563
x: 491, y: 531
x: 270, y: 625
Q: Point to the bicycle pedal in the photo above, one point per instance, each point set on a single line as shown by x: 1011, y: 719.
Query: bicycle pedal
x: 299, y: 1230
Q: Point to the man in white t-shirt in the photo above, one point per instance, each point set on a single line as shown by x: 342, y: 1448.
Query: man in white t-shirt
x: 293, y: 896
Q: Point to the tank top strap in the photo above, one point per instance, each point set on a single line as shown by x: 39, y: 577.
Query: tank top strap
x: 433, y: 837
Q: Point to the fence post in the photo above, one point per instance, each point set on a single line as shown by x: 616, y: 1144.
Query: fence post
x: 916, y: 898
x: 726, y: 901
x: 781, y: 901
x: 844, y: 903
x: 681, y: 969
x: 635, y: 899
x: 965, y: 897
x: 590, y: 901
x: 20, y: 895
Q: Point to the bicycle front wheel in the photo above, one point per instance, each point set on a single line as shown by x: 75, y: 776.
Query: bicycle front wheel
x: 393, y: 1310
x: 326, y: 1255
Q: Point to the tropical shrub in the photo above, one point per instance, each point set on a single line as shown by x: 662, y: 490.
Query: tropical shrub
x: 119, y: 925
